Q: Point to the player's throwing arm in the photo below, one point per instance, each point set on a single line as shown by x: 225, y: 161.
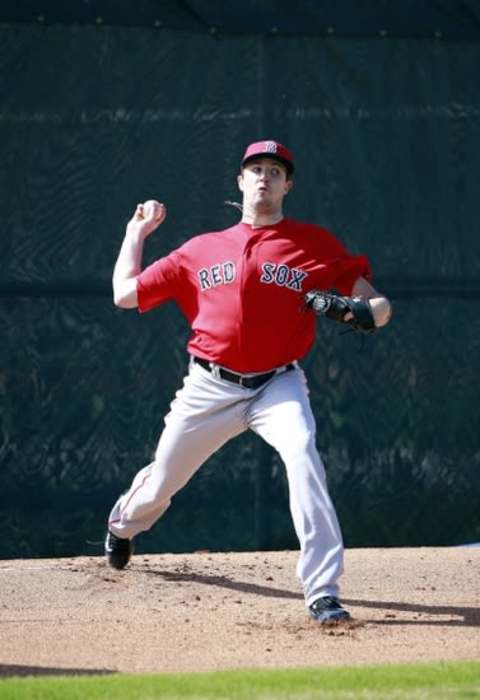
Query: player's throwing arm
x: 147, y: 217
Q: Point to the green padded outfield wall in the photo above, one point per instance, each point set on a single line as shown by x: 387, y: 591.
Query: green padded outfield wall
x: 386, y: 134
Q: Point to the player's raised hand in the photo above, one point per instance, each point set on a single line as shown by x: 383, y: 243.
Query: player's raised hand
x: 147, y: 217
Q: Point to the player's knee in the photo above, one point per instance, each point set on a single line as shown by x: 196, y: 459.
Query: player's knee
x: 166, y: 482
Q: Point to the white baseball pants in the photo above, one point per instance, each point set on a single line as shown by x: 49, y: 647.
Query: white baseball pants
x: 205, y: 414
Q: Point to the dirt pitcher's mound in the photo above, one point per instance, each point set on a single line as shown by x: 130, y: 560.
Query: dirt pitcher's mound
x: 215, y: 611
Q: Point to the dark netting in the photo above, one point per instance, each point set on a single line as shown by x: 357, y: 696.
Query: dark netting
x: 457, y: 20
x: 386, y: 136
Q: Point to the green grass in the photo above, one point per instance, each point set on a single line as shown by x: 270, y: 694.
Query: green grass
x: 438, y: 681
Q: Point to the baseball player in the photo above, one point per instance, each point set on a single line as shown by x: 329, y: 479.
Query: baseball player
x: 251, y: 295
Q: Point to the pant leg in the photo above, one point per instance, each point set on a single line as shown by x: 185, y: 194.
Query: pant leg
x: 204, y: 415
x: 282, y: 415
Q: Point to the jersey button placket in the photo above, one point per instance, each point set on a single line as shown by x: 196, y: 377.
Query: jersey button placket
x: 245, y: 269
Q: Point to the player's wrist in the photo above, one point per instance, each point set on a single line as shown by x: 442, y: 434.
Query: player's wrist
x: 136, y: 232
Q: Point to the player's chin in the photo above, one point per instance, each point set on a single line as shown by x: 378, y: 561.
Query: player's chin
x: 263, y: 202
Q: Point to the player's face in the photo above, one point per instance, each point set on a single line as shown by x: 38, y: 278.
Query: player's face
x: 264, y: 184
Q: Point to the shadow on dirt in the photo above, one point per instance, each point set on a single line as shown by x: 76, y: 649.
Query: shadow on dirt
x: 11, y: 671
x: 460, y: 616
x: 225, y: 582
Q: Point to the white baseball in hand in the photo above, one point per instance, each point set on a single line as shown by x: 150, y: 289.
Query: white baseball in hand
x: 153, y: 210
x: 148, y: 215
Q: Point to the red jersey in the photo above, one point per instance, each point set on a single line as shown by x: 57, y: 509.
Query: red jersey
x: 242, y: 290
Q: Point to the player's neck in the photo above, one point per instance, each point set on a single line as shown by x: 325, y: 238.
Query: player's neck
x: 257, y: 218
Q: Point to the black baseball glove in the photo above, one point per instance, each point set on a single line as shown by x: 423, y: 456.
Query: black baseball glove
x: 336, y: 307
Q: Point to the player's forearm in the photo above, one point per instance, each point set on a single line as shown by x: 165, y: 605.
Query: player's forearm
x: 147, y: 217
x: 127, y: 269
x: 380, y: 306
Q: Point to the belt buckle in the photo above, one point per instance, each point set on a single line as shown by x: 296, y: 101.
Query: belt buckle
x: 215, y: 370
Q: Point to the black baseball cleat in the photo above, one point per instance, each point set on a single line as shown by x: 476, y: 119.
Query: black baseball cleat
x: 118, y: 550
x: 327, y: 611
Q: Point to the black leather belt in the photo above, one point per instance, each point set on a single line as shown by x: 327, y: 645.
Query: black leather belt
x: 252, y: 381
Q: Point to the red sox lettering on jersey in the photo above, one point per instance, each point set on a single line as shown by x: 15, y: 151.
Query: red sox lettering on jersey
x: 225, y: 273
x: 242, y: 290
x: 283, y: 275
x: 220, y: 273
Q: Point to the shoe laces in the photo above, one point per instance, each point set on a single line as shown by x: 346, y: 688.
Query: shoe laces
x: 327, y: 602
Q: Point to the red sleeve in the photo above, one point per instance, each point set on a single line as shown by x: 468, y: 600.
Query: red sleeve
x: 158, y: 282
x: 342, y: 269
x: 350, y: 269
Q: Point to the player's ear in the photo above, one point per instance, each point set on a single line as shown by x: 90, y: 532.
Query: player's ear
x: 240, y: 182
x: 288, y: 186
